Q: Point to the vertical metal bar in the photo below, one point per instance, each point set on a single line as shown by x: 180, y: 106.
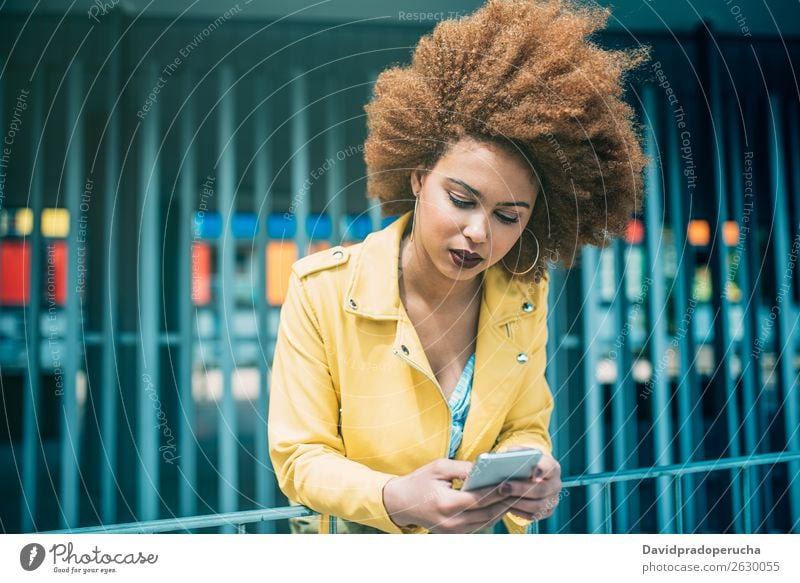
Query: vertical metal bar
x: 70, y: 429
x: 593, y: 413
x: 148, y: 385
x: 608, y: 524
x: 558, y: 346
x: 689, y: 409
x: 335, y: 193
x: 3, y: 163
x: 30, y: 416
x: 794, y: 152
x: 723, y: 345
x: 108, y: 413
x: 622, y: 411
x: 743, y: 204
x: 265, y: 476
x: 747, y: 496
x: 678, y: 490
x: 660, y: 397
x: 186, y: 238
x: 332, y: 525
x: 374, y: 203
x: 755, y: 253
x: 300, y: 203
x: 227, y: 429
x: 784, y: 271
x: 794, y: 165
x: 533, y: 527
x: 375, y: 215
x: 241, y: 529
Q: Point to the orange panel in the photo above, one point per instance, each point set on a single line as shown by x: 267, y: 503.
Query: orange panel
x: 15, y: 273
x: 280, y: 257
x: 318, y: 246
x: 201, y: 274
x: 730, y: 232
x: 699, y: 233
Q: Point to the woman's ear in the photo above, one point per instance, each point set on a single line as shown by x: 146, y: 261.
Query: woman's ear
x: 417, y: 178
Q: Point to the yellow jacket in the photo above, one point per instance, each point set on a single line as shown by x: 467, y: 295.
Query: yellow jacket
x: 353, y: 399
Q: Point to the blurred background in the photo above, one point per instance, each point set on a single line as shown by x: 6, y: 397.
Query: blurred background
x: 164, y: 163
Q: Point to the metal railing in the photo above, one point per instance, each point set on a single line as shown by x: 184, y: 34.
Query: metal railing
x: 675, y: 472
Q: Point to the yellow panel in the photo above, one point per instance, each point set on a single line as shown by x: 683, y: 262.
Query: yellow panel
x: 280, y: 257
x: 55, y: 222
x: 24, y: 222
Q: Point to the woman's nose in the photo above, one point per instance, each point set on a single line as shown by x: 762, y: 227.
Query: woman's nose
x: 477, y: 229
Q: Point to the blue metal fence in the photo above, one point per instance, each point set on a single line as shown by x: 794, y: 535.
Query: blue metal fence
x: 604, y: 482
x: 675, y: 345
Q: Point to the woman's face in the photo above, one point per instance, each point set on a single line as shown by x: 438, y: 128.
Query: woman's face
x: 473, y: 206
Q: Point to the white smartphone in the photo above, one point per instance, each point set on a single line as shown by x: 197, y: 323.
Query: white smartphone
x: 491, y: 469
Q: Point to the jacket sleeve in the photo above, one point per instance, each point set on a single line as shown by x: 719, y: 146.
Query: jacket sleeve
x: 527, y: 421
x: 305, y: 445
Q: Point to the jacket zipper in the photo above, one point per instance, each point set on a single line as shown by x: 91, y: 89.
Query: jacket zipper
x: 441, y: 392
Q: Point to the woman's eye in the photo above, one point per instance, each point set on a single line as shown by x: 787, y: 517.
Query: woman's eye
x: 460, y: 203
x: 463, y: 204
x: 507, y: 219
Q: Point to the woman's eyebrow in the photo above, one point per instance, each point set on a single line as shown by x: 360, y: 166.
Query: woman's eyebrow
x: 479, y: 196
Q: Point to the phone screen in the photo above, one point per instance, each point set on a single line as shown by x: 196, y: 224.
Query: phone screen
x: 491, y: 469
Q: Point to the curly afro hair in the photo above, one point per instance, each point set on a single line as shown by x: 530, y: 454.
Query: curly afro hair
x: 522, y: 74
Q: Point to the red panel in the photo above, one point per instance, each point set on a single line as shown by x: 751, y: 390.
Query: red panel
x: 60, y: 270
x: 201, y: 274
x: 15, y: 273
x: 634, y: 235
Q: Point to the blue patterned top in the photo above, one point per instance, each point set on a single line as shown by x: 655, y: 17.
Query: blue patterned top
x: 459, y: 405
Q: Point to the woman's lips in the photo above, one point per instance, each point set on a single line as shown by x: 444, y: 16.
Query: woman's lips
x: 464, y: 259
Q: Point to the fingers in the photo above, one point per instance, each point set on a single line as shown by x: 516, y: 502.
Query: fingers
x: 491, y: 515
x: 547, y: 468
x: 534, y: 509
x: 479, y: 498
x: 535, y: 490
x: 471, y: 520
x: 446, y: 469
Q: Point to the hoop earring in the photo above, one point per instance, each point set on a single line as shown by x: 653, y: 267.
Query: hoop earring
x: 534, y: 261
x: 414, y: 218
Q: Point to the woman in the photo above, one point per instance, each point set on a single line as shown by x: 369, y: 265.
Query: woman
x: 504, y: 146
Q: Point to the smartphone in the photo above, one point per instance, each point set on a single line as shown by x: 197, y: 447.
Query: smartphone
x: 491, y: 469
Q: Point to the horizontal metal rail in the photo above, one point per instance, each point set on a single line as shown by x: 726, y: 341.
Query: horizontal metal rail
x: 243, y: 518
x: 682, y: 469
x: 237, y: 519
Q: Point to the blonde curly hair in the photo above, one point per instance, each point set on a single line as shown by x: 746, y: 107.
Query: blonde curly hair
x: 524, y: 75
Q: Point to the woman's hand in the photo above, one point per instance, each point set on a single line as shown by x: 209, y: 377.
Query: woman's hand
x: 535, y: 499
x: 426, y: 498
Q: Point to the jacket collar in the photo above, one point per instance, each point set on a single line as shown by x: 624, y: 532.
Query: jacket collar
x: 373, y: 290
